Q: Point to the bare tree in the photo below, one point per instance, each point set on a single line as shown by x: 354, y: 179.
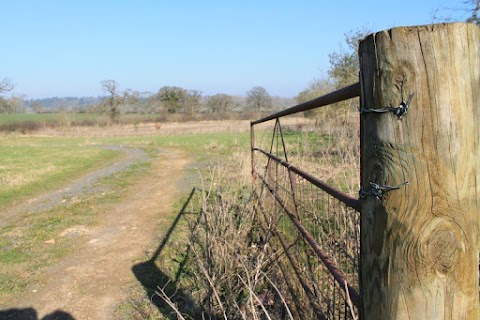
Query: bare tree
x: 16, y: 103
x: 6, y: 85
x: 4, y: 107
x: 12, y: 105
x: 152, y: 104
x: 36, y: 107
x: 259, y: 98
x: 112, y: 103
x: 131, y: 96
x: 194, y: 98
x: 316, y: 89
x: 344, y: 65
x: 131, y: 100
x: 220, y: 103
x: 462, y: 10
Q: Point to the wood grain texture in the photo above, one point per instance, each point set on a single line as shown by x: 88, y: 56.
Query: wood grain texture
x: 419, y: 245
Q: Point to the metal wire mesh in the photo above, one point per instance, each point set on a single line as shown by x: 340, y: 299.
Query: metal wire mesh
x: 318, y: 233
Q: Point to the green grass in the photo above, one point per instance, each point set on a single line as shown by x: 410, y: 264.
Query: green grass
x: 33, y: 165
x: 67, y: 117
x: 29, y: 167
x: 12, y: 284
x: 213, y: 143
x: 48, y: 117
x: 25, y: 247
x: 12, y: 255
x: 299, y: 143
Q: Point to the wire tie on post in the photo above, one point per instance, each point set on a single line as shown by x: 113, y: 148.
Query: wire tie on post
x: 399, y: 111
x: 379, y: 190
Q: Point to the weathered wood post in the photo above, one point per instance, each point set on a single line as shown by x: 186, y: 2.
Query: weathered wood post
x: 419, y: 251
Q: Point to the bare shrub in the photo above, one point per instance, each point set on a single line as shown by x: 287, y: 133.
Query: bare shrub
x: 229, y: 270
x: 224, y: 253
x: 292, y: 208
x: 238, y: 266
x: 84, y: 123
x: 23, y: 127
x: 334, y: 154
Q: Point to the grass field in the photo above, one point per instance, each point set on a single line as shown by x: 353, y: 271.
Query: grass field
x: 41, y: 117
x: 33, y: 165
x: 67, y: 117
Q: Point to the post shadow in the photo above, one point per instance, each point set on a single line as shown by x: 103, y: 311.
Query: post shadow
x: 31, y: 314
x: 152, y: 278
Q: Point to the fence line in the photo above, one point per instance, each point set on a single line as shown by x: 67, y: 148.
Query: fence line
x: 419, y: 176
x: 345, y: 198
x: 316, y: 224
x: 336, y: 273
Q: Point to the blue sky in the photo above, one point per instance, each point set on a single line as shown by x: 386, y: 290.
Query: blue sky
x: 66, y: 48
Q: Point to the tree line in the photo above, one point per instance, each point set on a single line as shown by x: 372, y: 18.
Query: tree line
x: 167, y: 100
x: 174, y: 99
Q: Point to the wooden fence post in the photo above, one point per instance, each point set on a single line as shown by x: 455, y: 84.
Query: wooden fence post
x: 419, y: 243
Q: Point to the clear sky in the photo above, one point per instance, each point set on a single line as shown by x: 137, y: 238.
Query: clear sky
x: 66, y: 48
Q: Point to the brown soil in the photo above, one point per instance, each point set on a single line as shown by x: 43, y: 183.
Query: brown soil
x: 94, y: 279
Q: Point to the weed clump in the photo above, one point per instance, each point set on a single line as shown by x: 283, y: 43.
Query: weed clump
x: 226, y: 270
x: 23, y: 127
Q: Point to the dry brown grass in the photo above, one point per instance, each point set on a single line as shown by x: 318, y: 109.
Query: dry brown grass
x: 238, y: 268
x: 10, y: 178
x: 229, y: 273
x: 327, y: 146
x: 147, y: 128
x: 329, y: 151
x: 150, y: 129
x: 337, y: 162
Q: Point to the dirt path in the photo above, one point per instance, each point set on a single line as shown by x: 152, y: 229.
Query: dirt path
x: 93, y: 279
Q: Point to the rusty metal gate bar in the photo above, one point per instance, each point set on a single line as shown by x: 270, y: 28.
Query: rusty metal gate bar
x: 330, y: 230
x: 336, y: 273
x: 351, y: 91
x: 345, y: 198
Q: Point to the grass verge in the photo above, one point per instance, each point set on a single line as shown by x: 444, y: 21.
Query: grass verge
x: 41, y: 240
x: 29, y: 166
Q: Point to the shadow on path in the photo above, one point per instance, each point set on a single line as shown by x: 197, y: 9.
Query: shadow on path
x: 31, y: 314
x: 152, y: 278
